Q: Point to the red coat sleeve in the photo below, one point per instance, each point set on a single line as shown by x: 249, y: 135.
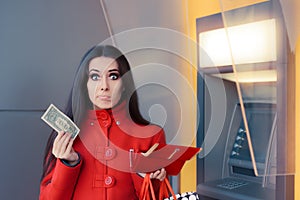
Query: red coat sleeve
x: 60, y: 182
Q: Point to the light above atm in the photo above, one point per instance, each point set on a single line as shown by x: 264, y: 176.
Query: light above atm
x: 250, y: 76
x: 249, y: 43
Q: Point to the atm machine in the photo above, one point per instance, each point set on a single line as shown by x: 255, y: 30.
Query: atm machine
x: 230, y: 166
x: 238, y: 179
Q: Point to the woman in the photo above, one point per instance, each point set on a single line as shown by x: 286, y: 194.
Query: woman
x: 96, y: 165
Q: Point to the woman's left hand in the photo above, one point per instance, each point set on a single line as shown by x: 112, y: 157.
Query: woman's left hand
x: 159, y: 174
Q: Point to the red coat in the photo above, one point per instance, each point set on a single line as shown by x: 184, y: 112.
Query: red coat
x: 104, y: 171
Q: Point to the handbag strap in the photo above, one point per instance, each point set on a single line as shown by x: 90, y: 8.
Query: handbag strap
x: 143, y: 189
x: 165, y: 189
x: 147, y: 184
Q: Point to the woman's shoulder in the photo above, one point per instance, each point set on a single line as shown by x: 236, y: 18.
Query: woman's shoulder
x: 150, y: 126
x: 148, y: 130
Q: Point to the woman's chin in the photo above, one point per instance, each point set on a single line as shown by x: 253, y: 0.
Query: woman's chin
x: 103, y: 105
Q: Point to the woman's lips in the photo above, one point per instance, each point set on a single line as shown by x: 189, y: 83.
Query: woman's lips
x: 103, y: 97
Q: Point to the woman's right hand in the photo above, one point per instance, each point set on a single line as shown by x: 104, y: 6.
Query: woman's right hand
x: 63, y: 148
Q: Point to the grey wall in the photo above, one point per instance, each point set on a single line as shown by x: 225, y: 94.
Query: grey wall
x: 42, y: 43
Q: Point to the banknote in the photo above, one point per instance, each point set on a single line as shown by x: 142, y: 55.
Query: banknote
x: 57, y: 120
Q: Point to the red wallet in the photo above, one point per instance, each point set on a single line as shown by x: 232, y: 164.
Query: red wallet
x: 170, y: 157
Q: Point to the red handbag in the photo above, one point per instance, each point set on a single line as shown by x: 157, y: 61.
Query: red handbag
x: 147, y: 191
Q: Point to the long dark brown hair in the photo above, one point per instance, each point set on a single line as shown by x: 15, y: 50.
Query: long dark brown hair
x: 79, y: 101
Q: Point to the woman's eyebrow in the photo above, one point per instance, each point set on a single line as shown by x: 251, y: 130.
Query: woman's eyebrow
x: 96, y: 70
x: 113, y: 70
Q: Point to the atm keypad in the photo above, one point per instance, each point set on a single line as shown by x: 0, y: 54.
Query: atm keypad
x: 232, y: 184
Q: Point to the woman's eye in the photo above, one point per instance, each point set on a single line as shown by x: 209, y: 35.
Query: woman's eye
x: 94, y: 77
x: 114, y: 76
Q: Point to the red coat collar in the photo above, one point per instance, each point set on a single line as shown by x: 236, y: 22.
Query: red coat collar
x: 107, y: 116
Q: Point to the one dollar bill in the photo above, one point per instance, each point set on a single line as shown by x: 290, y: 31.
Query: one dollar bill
x: 59, y: 121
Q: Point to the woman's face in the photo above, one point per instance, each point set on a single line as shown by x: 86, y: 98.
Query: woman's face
x: 104, y: 83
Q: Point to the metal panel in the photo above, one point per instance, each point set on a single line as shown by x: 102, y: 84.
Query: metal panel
x: 23, y: 139
x: 42, y: 43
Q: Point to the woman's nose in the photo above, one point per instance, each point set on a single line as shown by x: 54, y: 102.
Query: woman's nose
x: 103, y: 85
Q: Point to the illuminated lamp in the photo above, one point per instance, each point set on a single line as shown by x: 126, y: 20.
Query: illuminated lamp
x: 249, y: 43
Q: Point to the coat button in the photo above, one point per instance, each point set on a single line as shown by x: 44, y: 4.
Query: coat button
x: 118, y: 123
x: 109, y: 153
x: 109, y: 181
